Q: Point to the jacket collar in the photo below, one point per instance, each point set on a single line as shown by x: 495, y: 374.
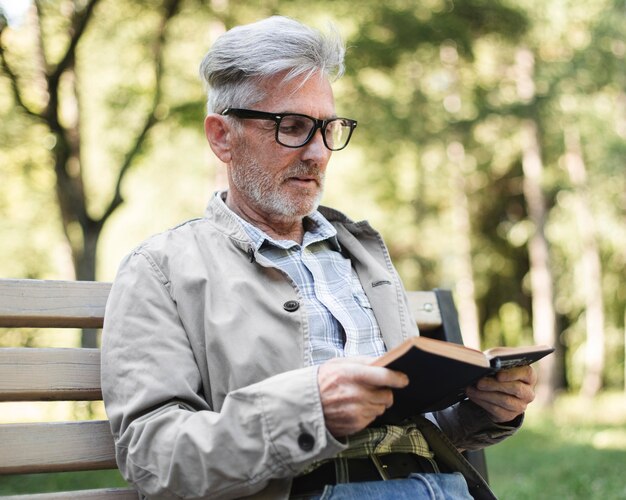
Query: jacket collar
x: 229, y: 224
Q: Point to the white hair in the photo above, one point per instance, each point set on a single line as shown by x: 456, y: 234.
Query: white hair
x: 243, y: 56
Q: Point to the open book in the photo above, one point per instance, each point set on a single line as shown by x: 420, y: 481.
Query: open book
x: 440, y: 371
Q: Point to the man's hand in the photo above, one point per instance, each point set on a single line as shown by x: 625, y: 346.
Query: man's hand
x: 353, y: 393
x: 506, y: 395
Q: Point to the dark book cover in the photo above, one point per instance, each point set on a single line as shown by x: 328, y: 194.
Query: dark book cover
x: 440, y: 371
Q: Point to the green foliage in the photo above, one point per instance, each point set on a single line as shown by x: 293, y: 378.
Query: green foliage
x: 452, y: 76
x: 435, y: 88
x: 31, y: 232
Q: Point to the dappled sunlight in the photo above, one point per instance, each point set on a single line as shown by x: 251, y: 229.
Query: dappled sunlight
x: 51, y: 411
x: 608, y: 408
x: 39, y: 337
x: 610, y: 439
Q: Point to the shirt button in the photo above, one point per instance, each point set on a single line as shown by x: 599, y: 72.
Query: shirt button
x: 291, y: 305
x: 306, y: 441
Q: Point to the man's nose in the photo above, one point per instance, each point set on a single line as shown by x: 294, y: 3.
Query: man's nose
x: 316, y: 150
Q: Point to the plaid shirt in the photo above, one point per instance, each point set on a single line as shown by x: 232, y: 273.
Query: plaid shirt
x: 341, y: 320
x: 340, y: 317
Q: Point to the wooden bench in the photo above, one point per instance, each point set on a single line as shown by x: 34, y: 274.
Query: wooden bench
x: 73, y: 374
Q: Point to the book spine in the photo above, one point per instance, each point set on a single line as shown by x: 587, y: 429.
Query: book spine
x: 496, y: 365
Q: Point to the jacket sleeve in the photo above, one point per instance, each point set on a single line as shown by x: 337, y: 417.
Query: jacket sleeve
x: 169, y: 441
x: 469, y: 427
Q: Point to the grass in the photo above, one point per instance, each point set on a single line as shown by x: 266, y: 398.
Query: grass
x: 576, y: 450
x: 60, y: 481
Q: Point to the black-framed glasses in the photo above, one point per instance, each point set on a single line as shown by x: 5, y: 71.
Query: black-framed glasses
x: 294, y: 130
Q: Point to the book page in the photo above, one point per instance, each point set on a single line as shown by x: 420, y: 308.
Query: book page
x: 509, y: 357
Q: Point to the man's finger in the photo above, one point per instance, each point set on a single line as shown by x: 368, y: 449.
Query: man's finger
x: 524, y: 374
x: 379, y: 376
x: 510, y: 383
x: 497, y: 412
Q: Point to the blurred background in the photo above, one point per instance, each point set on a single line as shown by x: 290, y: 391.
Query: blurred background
x: 490, y: 152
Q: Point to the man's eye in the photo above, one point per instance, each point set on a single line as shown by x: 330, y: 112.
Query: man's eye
x: 294, y: 126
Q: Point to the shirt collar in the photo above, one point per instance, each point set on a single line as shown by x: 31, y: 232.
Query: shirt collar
x: 317, y: 228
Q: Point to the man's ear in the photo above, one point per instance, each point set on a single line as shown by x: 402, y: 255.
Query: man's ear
x: 219, y: 135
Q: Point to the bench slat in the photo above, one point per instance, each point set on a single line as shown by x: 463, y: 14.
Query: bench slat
x: 49, y: 374
x: 81, y: 304
x: 100, y: 494
x: 52, y: 304
x: 425, y: 309
x: 56, y: 447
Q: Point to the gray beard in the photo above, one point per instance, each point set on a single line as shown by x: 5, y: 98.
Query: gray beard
x: 265, y: 193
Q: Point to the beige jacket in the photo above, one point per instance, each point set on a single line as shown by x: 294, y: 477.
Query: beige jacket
x: 205, y: 373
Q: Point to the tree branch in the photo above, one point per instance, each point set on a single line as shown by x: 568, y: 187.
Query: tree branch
x: 171, y: 7
x: 6, y: 68
x: 79, y: 23
x: 70, y: 190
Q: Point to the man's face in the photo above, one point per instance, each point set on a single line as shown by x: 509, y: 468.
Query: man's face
x: 276, y: 182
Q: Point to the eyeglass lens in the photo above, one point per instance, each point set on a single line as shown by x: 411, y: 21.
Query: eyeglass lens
x: 296, y: 130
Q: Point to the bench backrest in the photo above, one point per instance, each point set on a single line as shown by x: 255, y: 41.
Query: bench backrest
x: 73, y: 374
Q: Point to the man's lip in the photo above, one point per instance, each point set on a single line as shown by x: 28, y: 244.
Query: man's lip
x: 305, y: 179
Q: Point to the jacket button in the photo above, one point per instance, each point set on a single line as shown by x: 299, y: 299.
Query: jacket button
x: 291, y: 305
x: 306, y: 441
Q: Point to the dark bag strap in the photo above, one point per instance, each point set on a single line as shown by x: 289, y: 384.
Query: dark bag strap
x: 449, y: 457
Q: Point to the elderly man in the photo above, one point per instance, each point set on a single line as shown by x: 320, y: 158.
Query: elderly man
x: 235, y: 347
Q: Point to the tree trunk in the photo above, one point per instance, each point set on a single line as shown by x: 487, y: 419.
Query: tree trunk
x: 71, y: 195
x: 86, y: 271
x: 465, y: 289
x: 591, y: 267
x: 541, y: 280
x: 461, y: 220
